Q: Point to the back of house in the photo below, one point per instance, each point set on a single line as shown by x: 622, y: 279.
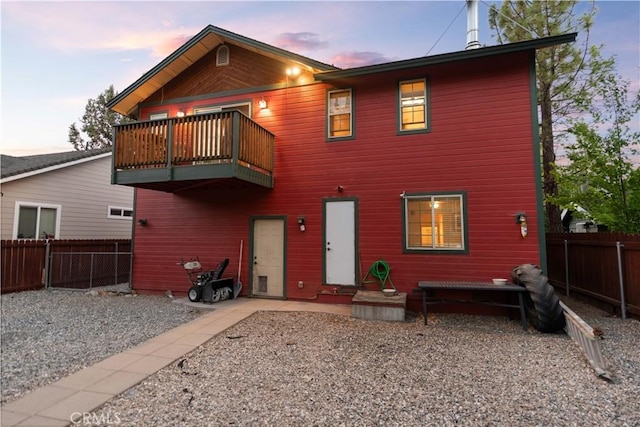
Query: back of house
x: 430, y: 164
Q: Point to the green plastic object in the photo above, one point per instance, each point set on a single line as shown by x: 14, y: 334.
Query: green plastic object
x: 380, y: 273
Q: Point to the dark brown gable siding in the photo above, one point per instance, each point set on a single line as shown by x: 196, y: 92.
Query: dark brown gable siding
x: 246, y: 69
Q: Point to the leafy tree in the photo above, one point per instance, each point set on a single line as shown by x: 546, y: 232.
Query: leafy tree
x: 565, y: 73
x: 601, y: 177
x: 97, y: 121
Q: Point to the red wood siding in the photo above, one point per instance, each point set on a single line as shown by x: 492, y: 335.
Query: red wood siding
x: 480, y: 143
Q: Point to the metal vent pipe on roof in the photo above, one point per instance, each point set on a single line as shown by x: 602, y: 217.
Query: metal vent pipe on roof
x: 472, y: 25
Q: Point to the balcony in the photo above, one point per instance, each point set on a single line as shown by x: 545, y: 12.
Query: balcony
x: 224, y: 148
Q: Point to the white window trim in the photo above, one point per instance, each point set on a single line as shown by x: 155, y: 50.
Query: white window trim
x: 432, y: 197
x: 16, y: 217
x: 159, y: 116
x: 122, y: 216
x: 219, y: 108
x: 329, y: 115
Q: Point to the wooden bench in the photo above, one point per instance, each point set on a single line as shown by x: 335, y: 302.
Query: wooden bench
x: 427, y: 288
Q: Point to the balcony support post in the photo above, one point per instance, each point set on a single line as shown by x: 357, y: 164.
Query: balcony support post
x: 235, y: 155
x: 113, y: 155
x: 169, y: 149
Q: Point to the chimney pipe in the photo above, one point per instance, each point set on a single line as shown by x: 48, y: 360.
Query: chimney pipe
x: 472, y: 25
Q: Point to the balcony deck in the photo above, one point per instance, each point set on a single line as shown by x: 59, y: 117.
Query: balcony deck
x: 223, y: 148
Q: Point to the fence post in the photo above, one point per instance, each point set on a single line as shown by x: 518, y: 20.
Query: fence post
x: 115, y: 275
x: 623, y: 307
x: 91, y: 273
x: 47, y: 254
x: 566, y: 266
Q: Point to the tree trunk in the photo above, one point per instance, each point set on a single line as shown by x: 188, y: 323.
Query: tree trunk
x: 550, y: 186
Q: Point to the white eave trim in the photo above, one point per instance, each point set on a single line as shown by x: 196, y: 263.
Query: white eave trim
x: 52, y: 168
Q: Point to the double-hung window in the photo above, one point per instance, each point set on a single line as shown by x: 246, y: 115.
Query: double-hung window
x: 34, y: 221
x: 412, y: 105
x: 340, y: 114
x: 434, y: 222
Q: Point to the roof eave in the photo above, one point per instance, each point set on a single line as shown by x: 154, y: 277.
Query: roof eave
x: 447, y: 57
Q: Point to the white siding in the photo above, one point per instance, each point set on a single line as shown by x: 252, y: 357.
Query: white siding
x: 84, y: 191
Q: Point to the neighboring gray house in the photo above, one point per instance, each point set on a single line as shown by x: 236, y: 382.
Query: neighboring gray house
x: 63, y: 196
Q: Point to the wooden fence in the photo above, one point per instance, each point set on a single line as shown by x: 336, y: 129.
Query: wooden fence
x: 601, y: 268
x: 24, y: 262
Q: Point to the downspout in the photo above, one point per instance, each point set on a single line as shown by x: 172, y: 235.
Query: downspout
x: 537, y: 167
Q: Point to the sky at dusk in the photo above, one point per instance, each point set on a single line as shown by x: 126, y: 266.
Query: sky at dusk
x: 58, y: 55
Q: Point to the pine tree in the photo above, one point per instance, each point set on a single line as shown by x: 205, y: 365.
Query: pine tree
x: 565, y: 73
x: 97, y: 122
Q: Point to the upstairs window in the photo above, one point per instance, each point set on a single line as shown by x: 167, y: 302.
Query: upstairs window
x: 33, y: 221
x: 413, y: 105
x: 158, y: 116
x: 434, y: 223
x: 339, y: 114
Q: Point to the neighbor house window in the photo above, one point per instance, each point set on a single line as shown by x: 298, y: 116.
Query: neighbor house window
x: 413, y: 105
x: 119, y: 213
x: 434, y: 222
x: 36, y: 221
x: 340, y: 113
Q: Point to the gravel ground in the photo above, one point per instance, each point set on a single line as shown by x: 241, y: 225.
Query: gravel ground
x: 47, y: 335
x: 294, y: 369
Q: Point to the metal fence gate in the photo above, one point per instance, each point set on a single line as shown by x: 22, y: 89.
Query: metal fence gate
x: 87, y: 270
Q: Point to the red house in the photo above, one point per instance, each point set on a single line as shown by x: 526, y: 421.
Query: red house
x: 428, y: 163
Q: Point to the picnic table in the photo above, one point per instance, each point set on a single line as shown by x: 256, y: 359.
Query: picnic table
x: 428, y: 288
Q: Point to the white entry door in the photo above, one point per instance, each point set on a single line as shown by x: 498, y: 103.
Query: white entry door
x: 268, y: 258
x: 340, y: 242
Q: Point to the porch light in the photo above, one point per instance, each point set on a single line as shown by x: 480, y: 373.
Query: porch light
x: 262, y: 104
x: 180, y: 113
x: 293, y: 72
x: 301, y: 223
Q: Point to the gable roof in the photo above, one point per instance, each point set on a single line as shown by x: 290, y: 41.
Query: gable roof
x: 448, y: 57
x: 14, y: 168
x: 211, y: 37
x: 198, y: 46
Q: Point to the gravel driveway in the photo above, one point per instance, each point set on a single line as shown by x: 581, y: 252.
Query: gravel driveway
x: 294, y: 369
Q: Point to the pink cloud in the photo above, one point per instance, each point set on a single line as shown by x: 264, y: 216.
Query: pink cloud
x: 300, y: 41
x: 357, y: 59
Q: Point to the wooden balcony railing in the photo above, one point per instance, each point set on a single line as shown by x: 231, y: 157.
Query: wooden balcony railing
x: 223, y: 138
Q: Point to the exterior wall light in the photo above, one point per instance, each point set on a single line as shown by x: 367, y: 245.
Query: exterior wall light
x: 521, y: 218
x: 180, y: 113
x: 301, y: 224
x: 262, y: 104
x: 142, y: 222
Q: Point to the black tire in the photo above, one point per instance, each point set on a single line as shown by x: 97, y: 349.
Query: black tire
x: 195, y: 293
x: 541, y: 301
